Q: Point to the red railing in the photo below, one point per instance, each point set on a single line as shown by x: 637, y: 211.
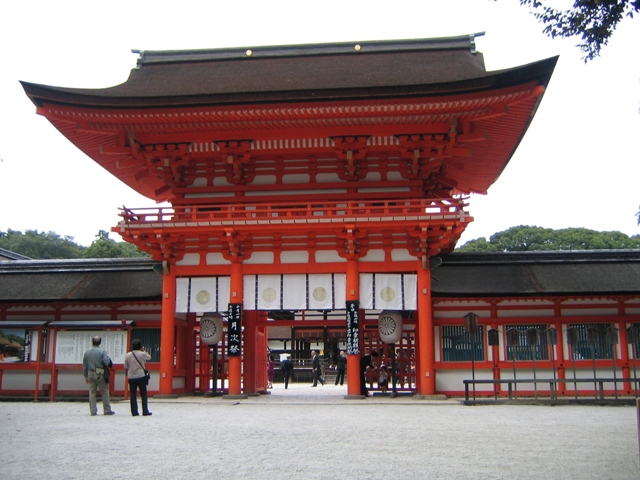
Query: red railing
x: 316, y: 212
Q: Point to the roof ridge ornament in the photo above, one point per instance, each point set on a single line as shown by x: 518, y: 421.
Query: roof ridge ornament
x: 308, y: 49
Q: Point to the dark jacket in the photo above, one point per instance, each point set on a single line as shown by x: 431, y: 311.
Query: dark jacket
x: 287, y: 367
x: 316, y: 363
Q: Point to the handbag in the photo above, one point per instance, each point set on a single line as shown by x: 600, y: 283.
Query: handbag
x: 147, y: 375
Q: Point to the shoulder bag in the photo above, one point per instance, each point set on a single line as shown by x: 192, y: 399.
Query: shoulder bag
x: 147, y: 375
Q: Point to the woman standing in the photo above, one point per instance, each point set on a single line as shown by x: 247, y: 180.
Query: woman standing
x: 271, y: 370
x: 135, y: 365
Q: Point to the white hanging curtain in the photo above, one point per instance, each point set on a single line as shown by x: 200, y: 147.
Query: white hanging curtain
x: 202, y: 294
x: 388, y: 291
x: 182, y: 295
x: 326, y: 291
x: 269, y: 290
x: 249, y: 292
x: 295, y: 292
x: 378, y: 291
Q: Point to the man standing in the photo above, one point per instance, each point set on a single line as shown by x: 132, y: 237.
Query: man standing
x: 287, y: 370
x: 341, y: 367
x: 365, y: 365
x: 95, y: 368
x: 317, y: 372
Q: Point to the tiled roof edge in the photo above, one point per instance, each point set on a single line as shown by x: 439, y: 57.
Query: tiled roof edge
x: 552, y: 256
x: 75, y: 265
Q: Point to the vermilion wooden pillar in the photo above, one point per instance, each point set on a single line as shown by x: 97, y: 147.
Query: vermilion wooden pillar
x: 353, y: 360
x: 167, y: 333
x: 426, y: 374
x: 235, y: 363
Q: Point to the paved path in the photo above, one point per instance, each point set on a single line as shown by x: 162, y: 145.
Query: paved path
x: 314, y: 433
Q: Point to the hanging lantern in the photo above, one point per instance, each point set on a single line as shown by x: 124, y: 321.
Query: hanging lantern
x: 390, y: 326
x: 211, y: 328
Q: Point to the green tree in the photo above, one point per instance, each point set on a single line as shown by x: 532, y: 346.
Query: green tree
x: 40, y: 245
x: 479, y: 245
x: 105, y: 247
x: 50, y: 245
x: 594, y: 21
x: 525, y: 238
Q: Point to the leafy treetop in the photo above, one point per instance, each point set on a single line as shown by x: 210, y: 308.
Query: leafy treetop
x: 594, y: 21
x: 50, y: 245
x: 525, y: 238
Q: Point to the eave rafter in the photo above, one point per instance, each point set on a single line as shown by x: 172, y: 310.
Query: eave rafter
x: 438, y: 138
x: 167, y: 161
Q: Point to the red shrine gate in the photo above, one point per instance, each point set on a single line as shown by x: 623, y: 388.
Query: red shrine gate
x: 344, y: 164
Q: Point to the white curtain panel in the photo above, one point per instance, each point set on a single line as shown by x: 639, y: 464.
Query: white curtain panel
x: 203, y: 294
x: 299, y: 292
x: 321, y: 292
x: 410, y: 291
x: 366, y: 291
x: 249, y: 293
x: 388, y: 291
x: 380, y: 291
x: 269, y: 289
x: 182, y: 295
x: 294, y: 292
x: 340, y: 290
x: 224, y: 294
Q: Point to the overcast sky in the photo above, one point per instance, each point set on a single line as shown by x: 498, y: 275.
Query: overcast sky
x: 578, y: 165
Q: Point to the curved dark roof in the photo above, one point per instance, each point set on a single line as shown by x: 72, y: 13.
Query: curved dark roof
x: 576, y: 273
x: 80, y: 280
x: 6, y: 255
x: 316, y: 72
x: 595, y: 272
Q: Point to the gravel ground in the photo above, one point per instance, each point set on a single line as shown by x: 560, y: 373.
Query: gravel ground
x: 314, y: 433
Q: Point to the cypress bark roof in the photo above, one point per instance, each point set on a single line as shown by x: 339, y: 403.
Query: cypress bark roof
x: 595, y: 272
x: 316, y: 72
x: 601, y: 272
x: 80, y: 280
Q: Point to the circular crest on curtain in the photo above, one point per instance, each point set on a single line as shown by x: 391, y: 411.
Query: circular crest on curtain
x: 211, y: 328
x: 390, y: 326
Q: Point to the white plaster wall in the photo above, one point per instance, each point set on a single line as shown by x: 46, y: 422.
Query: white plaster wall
x: 452, y: 380
x: 329, y: 256
x: 260, y: 258
x: 373, y: 256
x: 190, y: 259
x: 217, y: 259
x: 300, y: 256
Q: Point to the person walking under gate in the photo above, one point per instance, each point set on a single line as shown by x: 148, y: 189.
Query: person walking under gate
x: 135, y: 367
x: 95, y: 368
x: 317, y: 372
x: 287, y: 370
x: 341, y: 367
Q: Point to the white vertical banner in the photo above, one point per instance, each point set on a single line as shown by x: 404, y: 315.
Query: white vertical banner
x: 340, y: 290
x: 224, y: 294
x: 269, y: 290
x: 410, y: 291
x: 366, y: 291
x: 182, y: 295
x: 388, y: 291
x: 203, y: 294
x: 294, y: 292
x: 249, y: 294
x: 321, y: 292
